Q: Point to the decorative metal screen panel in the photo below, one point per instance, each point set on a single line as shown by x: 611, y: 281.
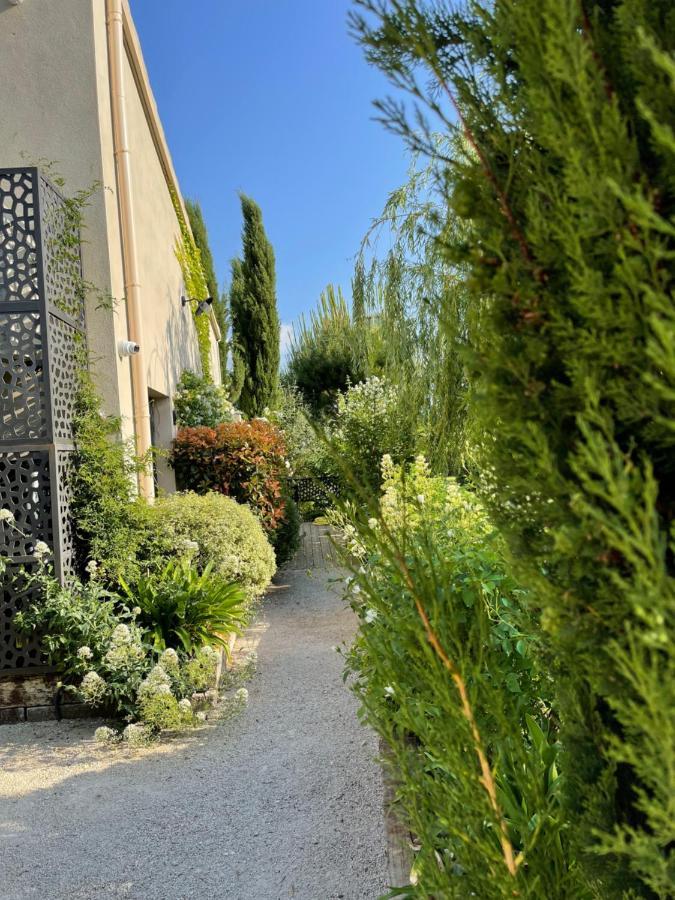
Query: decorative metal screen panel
x: 320, y: 491
x: 23, y: 408
x: 17, y: 652
x: 25, y: 489
x: 19, y: 265
x: 42, y: 344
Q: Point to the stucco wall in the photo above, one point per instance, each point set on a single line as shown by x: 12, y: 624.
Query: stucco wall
x: 55, y: 106
x: 49, y: 110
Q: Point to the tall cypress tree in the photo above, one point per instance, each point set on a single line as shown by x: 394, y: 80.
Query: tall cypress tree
x: 255, y: 321
x: 201, y: 236
x: 239, y: 319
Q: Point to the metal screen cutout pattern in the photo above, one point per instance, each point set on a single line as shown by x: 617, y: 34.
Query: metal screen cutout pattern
x: 42, y: 339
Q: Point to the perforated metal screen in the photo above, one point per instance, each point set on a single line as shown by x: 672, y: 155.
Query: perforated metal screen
x: 42, y: 342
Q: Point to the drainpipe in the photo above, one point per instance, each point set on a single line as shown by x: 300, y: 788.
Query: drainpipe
x: 132, y: 287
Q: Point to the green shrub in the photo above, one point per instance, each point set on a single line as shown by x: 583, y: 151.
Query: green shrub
x: 245, y: 460
x: 325, y: 354
x: 186, y: 609
x: 163, y: 712
x: 198, y: 401
x: 229, y: 537
x: 367, y: 426
x: 199, y: 672
x: 286, y: 539
x: 102, y: 488
x: 91, y: 639
x: 446, y: 670
x: 293, y: 418
x: 563, y: 175
x: 104, y: 656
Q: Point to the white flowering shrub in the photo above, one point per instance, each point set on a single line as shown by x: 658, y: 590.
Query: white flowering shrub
x: 199, y: 672
x: 106, y: 735
x: 368, y: 425
x: 106, y: 658
x: 136, y: 735
x: 93, y: 688
x: 198, y: 401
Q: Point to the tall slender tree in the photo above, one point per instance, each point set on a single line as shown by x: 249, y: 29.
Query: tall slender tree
x: 237, y: 311
x: 201, y: 236
x: 255, y: 321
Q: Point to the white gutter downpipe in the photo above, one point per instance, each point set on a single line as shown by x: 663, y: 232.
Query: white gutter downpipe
x: 132, y: 287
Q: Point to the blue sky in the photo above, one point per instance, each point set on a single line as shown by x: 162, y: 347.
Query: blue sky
x: 273, y: 97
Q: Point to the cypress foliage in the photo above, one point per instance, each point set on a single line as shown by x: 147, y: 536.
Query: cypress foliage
x: 255, y: 321
x: 565, y: 176
x: 238, y: 319
x: 201, y: 236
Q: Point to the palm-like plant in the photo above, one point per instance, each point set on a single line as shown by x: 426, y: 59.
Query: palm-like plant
x: 186, y: 609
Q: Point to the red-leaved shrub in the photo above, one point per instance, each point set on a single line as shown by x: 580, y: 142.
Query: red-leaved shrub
x: 245, y: 460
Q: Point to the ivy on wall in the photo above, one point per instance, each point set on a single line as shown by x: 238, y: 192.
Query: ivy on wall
x: 196, y: 288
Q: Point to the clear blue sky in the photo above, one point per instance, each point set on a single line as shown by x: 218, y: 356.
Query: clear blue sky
x: 274, y: 98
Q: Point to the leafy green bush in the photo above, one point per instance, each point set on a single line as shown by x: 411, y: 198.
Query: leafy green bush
x: 564, y: 178
x: 367, y: 426
x: 198, y: 401
x: 90, y: 638
x: 286, y: 539
x: 325, y: 354
x: 101, y: 485
x: 186, y: 609
x: 105, y: 657
x: 228, y: 536
x: 292, y: 417
x: 245, y: 460
x: 446, y: 670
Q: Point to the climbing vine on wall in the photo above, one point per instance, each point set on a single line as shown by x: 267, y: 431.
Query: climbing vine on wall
x: 196, y: 288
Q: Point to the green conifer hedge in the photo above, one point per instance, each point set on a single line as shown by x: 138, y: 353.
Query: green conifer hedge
x: 565, y: 176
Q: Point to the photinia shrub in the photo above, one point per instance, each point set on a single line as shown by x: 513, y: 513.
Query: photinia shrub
x: 244, y: 460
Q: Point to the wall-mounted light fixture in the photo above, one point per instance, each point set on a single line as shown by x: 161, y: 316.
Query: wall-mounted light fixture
x: 202, y: 305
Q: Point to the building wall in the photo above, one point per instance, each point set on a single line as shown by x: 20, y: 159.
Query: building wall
x: 49, y: 110
x: 55, y: 106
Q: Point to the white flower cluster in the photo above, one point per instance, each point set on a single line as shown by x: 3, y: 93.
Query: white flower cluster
x: 41, y: 550
x: 93, y: 688
x: 241, y: 696
x: 85, y: 653
x: 185, y: 705
x: 121, y: 656
x: 105, y: 735
x: 120, y: 636
x: 169, y: 661
x: 157, y: 682
x: 136, y: 735
x: 6, y: 515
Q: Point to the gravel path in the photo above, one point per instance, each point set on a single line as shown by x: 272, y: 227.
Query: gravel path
x: 282, y: 801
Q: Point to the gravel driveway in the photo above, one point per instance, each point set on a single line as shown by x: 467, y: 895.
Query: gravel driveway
x: 284, y: 800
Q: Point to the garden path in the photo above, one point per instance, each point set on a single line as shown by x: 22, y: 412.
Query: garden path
x: 285, y: 800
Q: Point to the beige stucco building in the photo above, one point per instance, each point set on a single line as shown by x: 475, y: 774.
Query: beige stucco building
x: 75, y: 96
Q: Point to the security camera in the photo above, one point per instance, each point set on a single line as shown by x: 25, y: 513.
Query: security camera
x: 128, y: 348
